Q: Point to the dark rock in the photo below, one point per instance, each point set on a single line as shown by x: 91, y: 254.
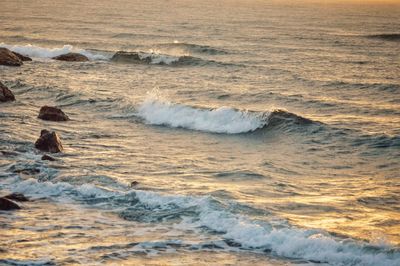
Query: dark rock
x: 16, y: 197
x: 5, y: 94
x: 130, y: 57
x: 52, y: 114
x: 72, y: 57
x: 134, y: 183
x: 48, y: 158
x: 22, y: 57
x: 49, y: 142
x: 7, y: 58
x: 8, y: 205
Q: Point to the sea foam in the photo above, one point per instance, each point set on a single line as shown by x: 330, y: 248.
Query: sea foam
x: 286, y: 241
x: 221, y: 120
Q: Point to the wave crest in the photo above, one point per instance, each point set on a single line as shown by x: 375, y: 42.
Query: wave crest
x: 221, y: 120
x: 224, y: 119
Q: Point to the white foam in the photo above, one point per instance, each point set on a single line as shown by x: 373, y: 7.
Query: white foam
x: 288, y: 242
x: 220, y: 120
x: 35, y: 189
x: 42, y: 52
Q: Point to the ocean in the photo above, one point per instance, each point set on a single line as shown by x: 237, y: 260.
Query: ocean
x: 255, y: 132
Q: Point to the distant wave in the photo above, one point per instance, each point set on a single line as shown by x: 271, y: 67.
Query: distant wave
x: 236, y: 231
x: 220, y: 120
x: 158, y: 59
x: 192, y: 48
x: 151, y: 57
x: 386, y: 37
x: 43, y: 52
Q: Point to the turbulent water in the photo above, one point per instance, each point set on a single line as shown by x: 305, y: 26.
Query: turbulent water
x: 259, y: 132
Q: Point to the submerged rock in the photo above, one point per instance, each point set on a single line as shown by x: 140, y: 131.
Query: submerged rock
x: 16, y: 196
x: 134, y: 183
x: 22, y: 57
x: 8, y: 58
x: 49, y: 142
x: 5, y: 94
x: 8, y: 205
x: 52, y: 114
x: 72, y: 57
x: 48, y: 158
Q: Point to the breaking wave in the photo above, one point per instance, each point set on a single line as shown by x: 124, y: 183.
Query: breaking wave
x: 42, y: 52
x: 221, y: 120
x: 236, y: 231
x: 226, y: 120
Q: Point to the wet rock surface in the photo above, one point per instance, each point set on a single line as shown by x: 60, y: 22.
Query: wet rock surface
x: 49, y: 142
x: 72, y: 57
x: 8, y: 58
x: 6, y: 94
x: 52, y: 113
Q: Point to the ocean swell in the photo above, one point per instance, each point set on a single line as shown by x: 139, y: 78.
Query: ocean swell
x: 192, y: 48
x: 385, y: 36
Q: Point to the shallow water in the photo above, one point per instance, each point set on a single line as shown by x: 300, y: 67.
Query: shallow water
x: 260, y: 133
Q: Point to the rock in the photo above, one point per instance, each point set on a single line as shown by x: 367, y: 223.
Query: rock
x: 5, y: 94
x: 22, y: 57
x: 130, y: 57
x: 72, y: 57
x: 48, y: 158
x: 8, y: 205
x: 7, y: 58
x: 49, y: 142
x: 52, y: 114
x: 16, y: 197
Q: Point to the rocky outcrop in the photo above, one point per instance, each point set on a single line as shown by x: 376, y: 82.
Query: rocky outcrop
x: 49, y: 142
x: 8, y: 205
x: 16, y: 197
x: 52, y: 113
x: 5, y: 94
x: 8, y: 58
x: 22, y: 57
x: 72, y: 57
